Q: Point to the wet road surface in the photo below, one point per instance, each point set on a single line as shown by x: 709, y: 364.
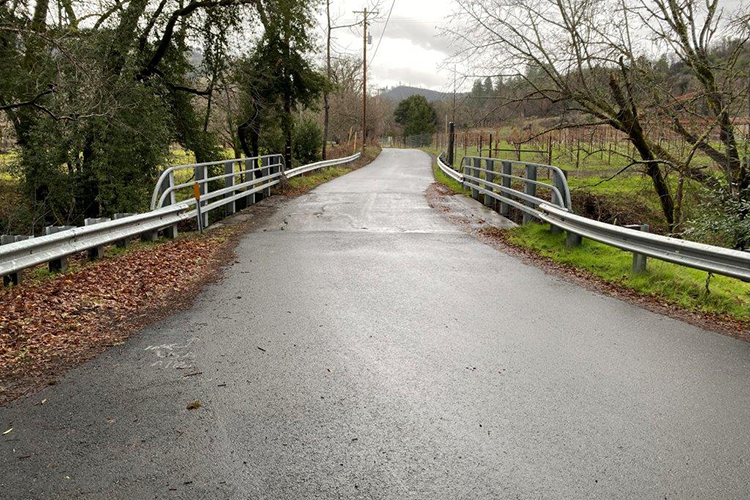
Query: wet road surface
x: 364, y: 347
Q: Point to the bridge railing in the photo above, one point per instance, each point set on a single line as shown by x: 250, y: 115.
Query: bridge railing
x: 479, y: 175
x: 243, y: 178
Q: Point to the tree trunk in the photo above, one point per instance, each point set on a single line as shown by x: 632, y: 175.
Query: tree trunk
x: 628, y: 122
x: 287, y: 121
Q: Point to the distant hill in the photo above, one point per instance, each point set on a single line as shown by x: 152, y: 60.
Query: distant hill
x: 401, y: 92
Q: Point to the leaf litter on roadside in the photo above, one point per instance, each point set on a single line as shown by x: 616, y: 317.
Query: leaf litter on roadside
x: 49, y: 325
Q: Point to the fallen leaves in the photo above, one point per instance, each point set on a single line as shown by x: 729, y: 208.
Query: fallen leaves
x: 50, y: 325
x: 194, y: 405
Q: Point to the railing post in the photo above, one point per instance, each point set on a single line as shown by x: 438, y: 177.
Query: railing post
x: 171, y: 231
x: 639, y: 259
x: 230, y: 207
x: 288, y: 158
x: 530, y: 189
x: 61, y: 264
x: 451, y: 141
x: 98, y: 251
x: 573, y: 239
x: 506, y: 182
x: 490, y: 167
x: 125, y: 242
x: 475, y: 173
x: 248, y: 200
x: 12, y: 279
x: 258, y: 164
x: 200, y: 174
x: 268, y: 170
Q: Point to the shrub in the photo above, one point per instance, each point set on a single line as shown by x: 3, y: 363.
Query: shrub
x: 722, y: 221
x: 308, y: 141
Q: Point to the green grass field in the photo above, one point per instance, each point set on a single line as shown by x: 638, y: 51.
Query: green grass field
x: 681, y: 286
x: 629, y: 195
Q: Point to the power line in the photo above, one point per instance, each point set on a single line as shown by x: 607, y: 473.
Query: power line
x: 383, y: 33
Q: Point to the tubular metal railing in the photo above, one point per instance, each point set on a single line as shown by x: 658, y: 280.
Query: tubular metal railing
x: 478, y: 174
x: 243, y: 178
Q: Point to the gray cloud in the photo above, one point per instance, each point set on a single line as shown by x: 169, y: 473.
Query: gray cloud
x: 424, y: 35
x: 410, y: 76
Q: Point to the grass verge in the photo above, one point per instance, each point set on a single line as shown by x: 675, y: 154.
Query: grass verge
x: 719, y: 302
x: 306, y: 182
x: 679, y: 286
x: 448, y: 182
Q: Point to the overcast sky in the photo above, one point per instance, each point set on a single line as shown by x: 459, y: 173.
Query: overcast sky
x: 412, y: 48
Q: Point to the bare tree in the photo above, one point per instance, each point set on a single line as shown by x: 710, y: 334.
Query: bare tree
x: 599, y: 59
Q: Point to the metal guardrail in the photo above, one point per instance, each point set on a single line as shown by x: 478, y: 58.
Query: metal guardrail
x: 243, y: 178
x: 15, y: 257
x: 321, y: 164
x: 478, y: 175
x: 717, y: 260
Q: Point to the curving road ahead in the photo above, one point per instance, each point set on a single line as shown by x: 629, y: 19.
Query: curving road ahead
x: 364, y: 347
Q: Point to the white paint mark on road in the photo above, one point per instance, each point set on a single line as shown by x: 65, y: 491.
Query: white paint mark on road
x: 173, y: 356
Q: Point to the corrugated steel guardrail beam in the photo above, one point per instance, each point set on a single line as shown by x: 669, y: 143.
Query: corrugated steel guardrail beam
x: 63, y: 241
x: 557, y: 213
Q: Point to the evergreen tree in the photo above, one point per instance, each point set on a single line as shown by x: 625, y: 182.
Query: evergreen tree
x: 417, y: 118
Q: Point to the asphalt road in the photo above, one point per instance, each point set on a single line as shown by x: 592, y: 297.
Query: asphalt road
x: 364, y: 347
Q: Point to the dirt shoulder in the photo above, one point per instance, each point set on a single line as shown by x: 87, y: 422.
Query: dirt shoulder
x: 439, y: 197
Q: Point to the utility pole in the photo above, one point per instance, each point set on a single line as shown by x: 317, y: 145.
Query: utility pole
x: 329, y: 72
x: 454, y: 94
x: 364, y: 74
x: 326, y: 104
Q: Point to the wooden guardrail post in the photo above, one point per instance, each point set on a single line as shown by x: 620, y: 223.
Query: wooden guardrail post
x: 125, y: 242
x: 573, y: 240
x: 61, y: 264
x: 96, y: 252
x: 13, y: 278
